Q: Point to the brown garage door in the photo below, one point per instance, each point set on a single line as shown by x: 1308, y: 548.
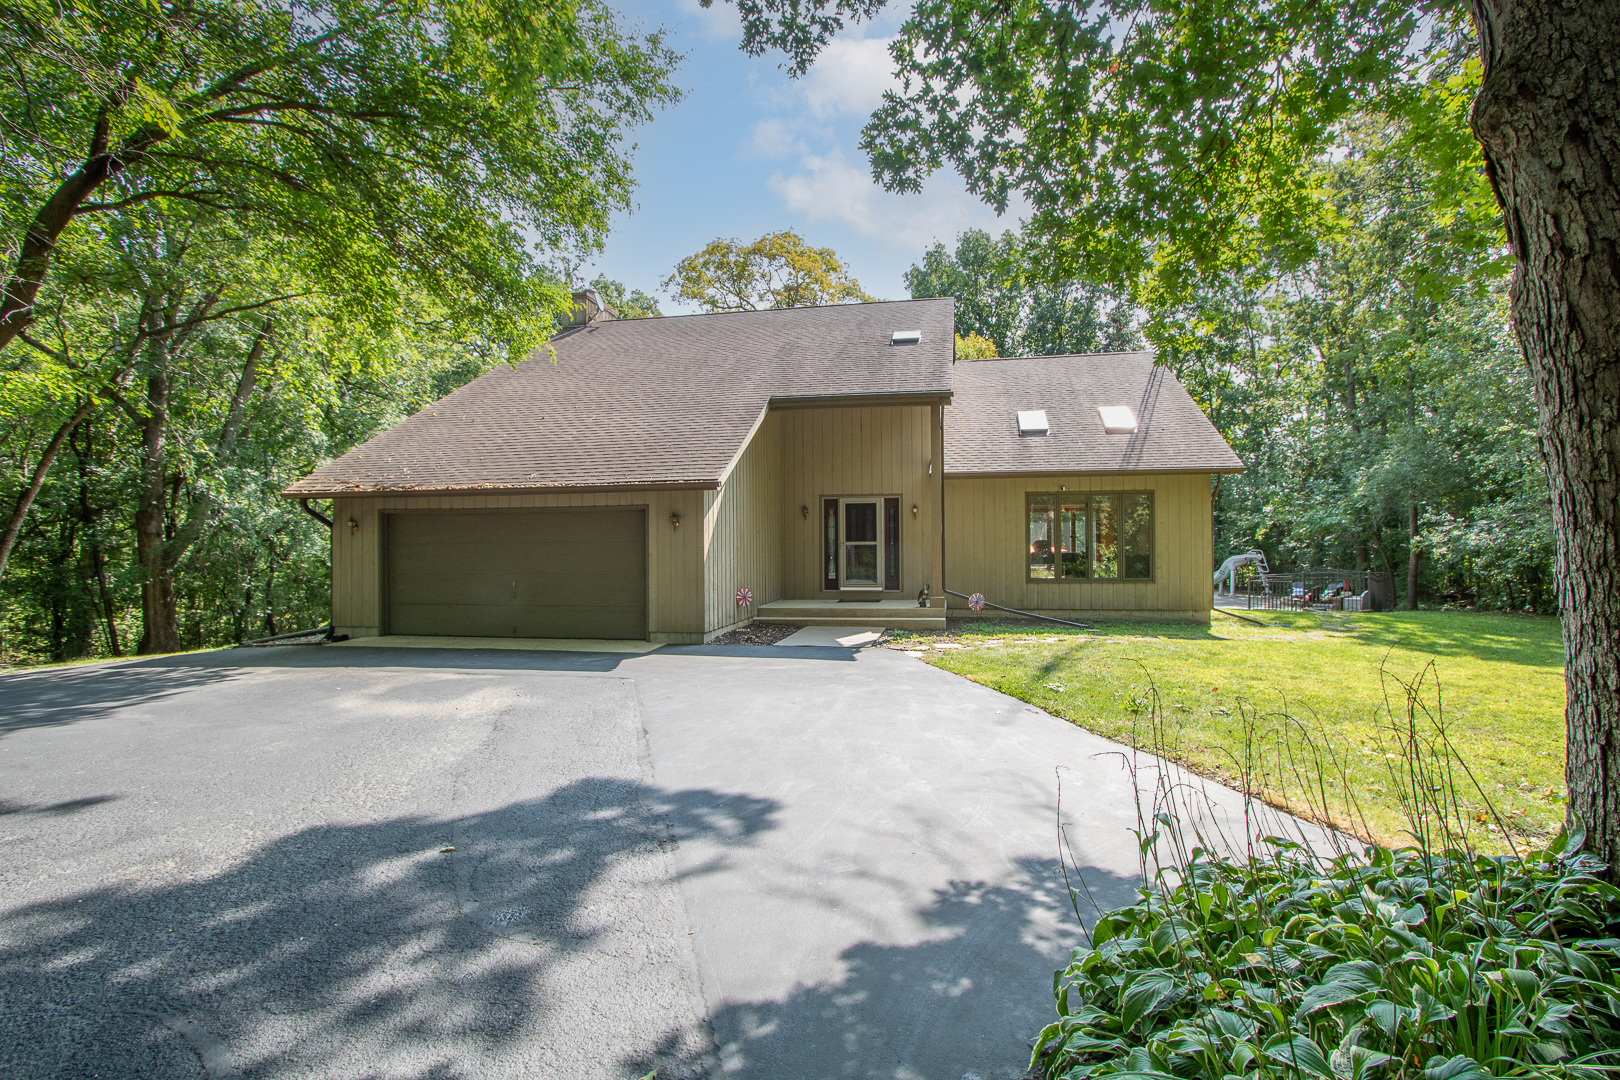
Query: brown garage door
x: 519, y: 573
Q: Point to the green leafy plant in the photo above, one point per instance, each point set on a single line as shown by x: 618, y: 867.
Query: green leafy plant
x: 1302, y: 957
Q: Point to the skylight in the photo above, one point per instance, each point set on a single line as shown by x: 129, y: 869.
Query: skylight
x: 1118, y: 419
x: 905, y: 337
x: 1032, y: 422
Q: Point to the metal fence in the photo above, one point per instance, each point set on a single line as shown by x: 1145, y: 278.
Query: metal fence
x: 1322, y: 589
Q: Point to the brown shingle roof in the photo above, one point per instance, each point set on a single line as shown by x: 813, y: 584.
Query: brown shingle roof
x: 646, y: 402
x: 981, y: 426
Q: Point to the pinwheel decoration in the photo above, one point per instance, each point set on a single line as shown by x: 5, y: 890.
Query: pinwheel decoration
x: 744, y: 598
x: 976, y: 601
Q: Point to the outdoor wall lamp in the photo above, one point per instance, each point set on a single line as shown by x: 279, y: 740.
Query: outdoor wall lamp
x: 353, y: 525
x: 674, y: 520
x: 913, y: 509
x: 805, y: 510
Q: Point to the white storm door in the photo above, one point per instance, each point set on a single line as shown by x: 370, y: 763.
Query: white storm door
x: 861, y: 564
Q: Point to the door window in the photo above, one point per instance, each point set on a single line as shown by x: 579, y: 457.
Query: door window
x: 861, y: 543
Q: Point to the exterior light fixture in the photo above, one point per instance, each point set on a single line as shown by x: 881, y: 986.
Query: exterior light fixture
x: 354, y: 525
x: 674, y: 520
x: 805, y: 510
x: 913, y: 509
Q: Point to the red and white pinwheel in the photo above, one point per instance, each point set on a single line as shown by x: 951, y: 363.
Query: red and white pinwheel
x: 744, y: 598
x: 976, y: 601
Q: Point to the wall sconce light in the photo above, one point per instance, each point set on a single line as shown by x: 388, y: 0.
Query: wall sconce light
x: 805, y: 510
x: 353, y: 526
x: 913, y: 509
x: 674, y: 520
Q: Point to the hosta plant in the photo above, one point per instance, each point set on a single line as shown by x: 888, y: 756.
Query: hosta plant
x: 1379, y: 965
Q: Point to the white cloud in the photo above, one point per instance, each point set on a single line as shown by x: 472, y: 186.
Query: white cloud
x: 719, y: 20
x: 776, y: 138
x: 830, y: 188
x: 849, y: 76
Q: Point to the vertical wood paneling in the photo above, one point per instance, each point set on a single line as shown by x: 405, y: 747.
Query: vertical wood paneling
x: 986, y: 544
x: 824, y: 453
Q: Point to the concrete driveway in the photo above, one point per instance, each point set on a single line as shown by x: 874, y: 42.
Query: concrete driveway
x: 365, y: 862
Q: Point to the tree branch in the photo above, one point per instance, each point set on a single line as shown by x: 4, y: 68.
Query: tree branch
x: 26, y: 498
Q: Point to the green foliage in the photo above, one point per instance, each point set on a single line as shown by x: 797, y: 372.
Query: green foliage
x: 1158, y: 144
x: 626, y: 304
x: 425, y: 146
x: 974, y: 347
x: 1396, y: 964
x: 778, y: 270
x: 1003, y: 297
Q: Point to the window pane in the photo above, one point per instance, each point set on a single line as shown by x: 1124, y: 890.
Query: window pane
x: 1105, y: 536
x: 832, y: 543
x: 860, y: 564
x: 860, y: 522
x: 1137, y: 530
x: 1073, y: 542
x: 1041, y: 511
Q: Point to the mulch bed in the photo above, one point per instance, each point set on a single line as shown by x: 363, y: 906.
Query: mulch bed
x: 756, y: 633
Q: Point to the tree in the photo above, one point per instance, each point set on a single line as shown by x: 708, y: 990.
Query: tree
x: 974, y: 347
x: 779, y: 270
x: 1159, y: 142
x: 626, y: 304
x: 386, y: 143
x: 1000, y: 297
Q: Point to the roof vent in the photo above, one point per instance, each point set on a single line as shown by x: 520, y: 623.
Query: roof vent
x: 905, y: 337
x: 1118, y: 419
x: 1032, y: 422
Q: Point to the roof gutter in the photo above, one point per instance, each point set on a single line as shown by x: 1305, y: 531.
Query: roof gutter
x: 823, y: 401
x: 497, y: 489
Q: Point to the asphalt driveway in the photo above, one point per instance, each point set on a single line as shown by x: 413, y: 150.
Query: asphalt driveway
x: 751, y: 862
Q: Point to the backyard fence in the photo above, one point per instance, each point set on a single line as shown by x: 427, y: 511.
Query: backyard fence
x: 1318, y: 589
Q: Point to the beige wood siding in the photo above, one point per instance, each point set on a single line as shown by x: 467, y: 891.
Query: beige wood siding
x: 742, y: 533
x: 986, y: 546
x: 876, y: 450
x: 674, y: 556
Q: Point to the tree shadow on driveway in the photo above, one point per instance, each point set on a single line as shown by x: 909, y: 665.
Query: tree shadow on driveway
x: 964, y: 1001
x: 548, y: 942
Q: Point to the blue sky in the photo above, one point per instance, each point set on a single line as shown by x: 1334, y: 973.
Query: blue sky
x: 751, y: 151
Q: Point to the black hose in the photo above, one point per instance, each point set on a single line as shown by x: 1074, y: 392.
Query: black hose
x: 1235, y: 615
x: 324, y: 630
x: 1031, y: 614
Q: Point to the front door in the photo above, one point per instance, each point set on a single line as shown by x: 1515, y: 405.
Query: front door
x: 863, y: 537
x: 862, y: 546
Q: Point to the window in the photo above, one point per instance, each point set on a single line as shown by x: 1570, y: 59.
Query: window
x: 1102, y: 536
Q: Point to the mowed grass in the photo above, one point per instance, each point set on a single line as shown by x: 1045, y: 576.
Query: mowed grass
x: 1496, y: 680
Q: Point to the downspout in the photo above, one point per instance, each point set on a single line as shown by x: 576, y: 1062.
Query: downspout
x: 314, y: 513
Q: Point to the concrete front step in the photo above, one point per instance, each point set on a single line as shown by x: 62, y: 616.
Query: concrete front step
x: 872, y: 622
x: 889, y: 614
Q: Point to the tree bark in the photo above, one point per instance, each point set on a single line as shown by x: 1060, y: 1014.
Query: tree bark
x: 160, y: 548
x: 39, y: 242
x: 1548, y: 120
x: 160, y: 616
x: 1411, y: 557
x: 25, y: 500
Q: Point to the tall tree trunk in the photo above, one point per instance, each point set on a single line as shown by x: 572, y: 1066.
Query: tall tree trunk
x: 1411, y: 557
x: 25, y: 499
x: 1548, y: 119
x: 103, y: 600
x: 160, y: 617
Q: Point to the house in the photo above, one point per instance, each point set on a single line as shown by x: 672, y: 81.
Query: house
x: 669, y: 479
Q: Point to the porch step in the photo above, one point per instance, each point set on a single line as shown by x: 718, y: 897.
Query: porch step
x: 883, y: 614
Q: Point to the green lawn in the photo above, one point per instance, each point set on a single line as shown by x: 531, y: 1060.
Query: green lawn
x: 1220, y: 689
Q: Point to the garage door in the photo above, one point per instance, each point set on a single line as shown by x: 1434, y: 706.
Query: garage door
x: 519, y: 573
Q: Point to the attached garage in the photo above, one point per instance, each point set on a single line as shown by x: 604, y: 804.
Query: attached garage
x: 545, y: 573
